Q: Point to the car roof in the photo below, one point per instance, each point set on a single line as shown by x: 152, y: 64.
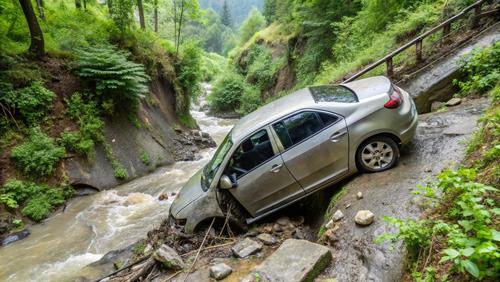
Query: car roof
x: 271, y: 112
x: 365, y: 89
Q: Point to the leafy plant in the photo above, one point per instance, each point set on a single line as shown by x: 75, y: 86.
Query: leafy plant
x: 32, y: 102
x: 467, y: 228
x: 38, y: 156
x: 38, y: 199
x: 145, y: 158
x: 481, y: 69
x: 116, y: 79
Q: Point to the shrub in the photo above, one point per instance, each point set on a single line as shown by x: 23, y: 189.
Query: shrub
x: 467, y: 227
x: 32, y: 102
x: 250, y: 100
x: 261, y: 69
x: 91, y: 126
x: 481, y: 69
x: 38, y: 199
x: 116, y: 79
x: 38, y: 156
x: 227, y: 91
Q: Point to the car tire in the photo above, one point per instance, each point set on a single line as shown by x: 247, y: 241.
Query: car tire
x: 237, y: 214
x: 377, y: 154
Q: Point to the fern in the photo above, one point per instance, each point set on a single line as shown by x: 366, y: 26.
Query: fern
x: 115, y: 78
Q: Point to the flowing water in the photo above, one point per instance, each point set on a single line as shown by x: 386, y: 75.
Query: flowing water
x: 59, y: 248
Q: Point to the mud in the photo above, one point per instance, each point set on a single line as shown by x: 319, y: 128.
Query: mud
x: 439, y: 144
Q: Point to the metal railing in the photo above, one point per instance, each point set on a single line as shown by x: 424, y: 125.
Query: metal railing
x: 476, y: 8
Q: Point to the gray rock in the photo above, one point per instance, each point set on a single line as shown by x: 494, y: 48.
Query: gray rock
x: 364, y: 217
x: 284, y: 221
x: 359, y: 195
x: 453, y: 102
x: 267, y: 239
x: 246, y: 247
x: 220, y: 271
x: 338, y: 215
x: 436, y: 105
x: 15, y: 237
x: 294, y: 261
x: 169, y: 257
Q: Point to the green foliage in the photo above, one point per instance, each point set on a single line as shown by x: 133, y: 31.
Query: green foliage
x: 91, y: 127
x: 212, y: 65
x: 250, y: 100
x: 38, y: 199
x: 145, y: 158
x: 261, y: 70
x: 123, y: 13
x: 254, y: 22
x: 467, y: 228
x: 38, y: 155
x: 116, y: 79
x: 189, y: 74
x: 481, y: 70
x: 119, y: 171
x: 32, y: 103
x: 226, y: 92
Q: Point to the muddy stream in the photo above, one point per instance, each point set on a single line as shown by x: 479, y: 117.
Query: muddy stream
x: 59, y: 248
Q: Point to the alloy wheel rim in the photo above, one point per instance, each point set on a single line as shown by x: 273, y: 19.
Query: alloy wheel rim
x: 377, y: 155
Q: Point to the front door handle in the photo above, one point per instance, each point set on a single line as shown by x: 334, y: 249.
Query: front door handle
x: 276, y: 168
x: 336, y: 136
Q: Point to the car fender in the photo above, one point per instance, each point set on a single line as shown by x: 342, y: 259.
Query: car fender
x: 203, y: 208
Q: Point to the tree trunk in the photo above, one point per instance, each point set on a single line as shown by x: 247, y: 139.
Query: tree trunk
x: 110, y: 7
x: 78, y: 4
x: 179, y: 27
x: 39, y: 5
x: 175, y: 22
x: 37, y: 47
x: 155, y: 16
x: 85, y: 5
x: 141, y: 14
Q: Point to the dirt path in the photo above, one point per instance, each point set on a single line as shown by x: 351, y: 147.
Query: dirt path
x: 439, y: 144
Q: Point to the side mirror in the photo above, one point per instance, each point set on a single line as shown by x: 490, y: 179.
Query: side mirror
x: 225, y: 182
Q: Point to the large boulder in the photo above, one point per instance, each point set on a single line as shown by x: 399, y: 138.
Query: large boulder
x: 246, y: 247
x: 169, y: 257
x: 294, y: 261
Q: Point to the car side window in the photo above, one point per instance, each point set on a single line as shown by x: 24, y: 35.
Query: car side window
x: 251, y: 153
x: 294, y: 129
x: 328, y: 118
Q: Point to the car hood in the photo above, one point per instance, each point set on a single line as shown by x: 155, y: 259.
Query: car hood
x: 191, y: 192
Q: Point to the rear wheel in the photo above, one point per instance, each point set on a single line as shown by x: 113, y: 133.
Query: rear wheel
x: 377, y: 154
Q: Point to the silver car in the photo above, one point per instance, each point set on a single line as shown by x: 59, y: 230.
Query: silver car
x: 297, y: 145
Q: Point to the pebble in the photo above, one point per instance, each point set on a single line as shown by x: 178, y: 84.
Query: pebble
x: 220, y: 271
x: 267, y: 239
x: 453, y: 102
x: 359, y: 195
x: 338, y: 215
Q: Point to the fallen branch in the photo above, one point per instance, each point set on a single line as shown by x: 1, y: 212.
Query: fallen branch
x: 171, y: 276
x: 122, y: 269
x: 199, y: 250
x: 211, y: 247
x: 148, y: 265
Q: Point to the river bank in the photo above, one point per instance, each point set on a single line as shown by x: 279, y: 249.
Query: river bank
x: 93, y: 225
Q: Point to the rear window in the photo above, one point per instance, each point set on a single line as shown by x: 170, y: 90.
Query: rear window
x: 333, y: 93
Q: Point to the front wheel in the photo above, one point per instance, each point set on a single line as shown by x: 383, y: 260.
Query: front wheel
x: 377, y: 154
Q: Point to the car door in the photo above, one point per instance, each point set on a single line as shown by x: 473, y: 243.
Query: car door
x: 262, y: 180
x: 315, y: 145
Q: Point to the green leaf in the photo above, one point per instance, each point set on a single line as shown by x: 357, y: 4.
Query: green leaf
x: 468, y: 252
x: 452, y: 253
x: 495, y: 235
x: 471, y: 268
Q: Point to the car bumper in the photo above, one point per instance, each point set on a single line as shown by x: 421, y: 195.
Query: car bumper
x: 409, y: 132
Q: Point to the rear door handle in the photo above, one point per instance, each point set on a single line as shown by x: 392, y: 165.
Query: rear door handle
x: 336, y: 136
x: 276, y: 168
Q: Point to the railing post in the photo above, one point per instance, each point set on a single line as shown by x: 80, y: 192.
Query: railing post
x: 446, y: 29
x: 390, y: 67
x: 476, y: 18
x: 418, y: 49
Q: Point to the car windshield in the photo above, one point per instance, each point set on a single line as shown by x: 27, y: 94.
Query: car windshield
x: 213, y: 165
